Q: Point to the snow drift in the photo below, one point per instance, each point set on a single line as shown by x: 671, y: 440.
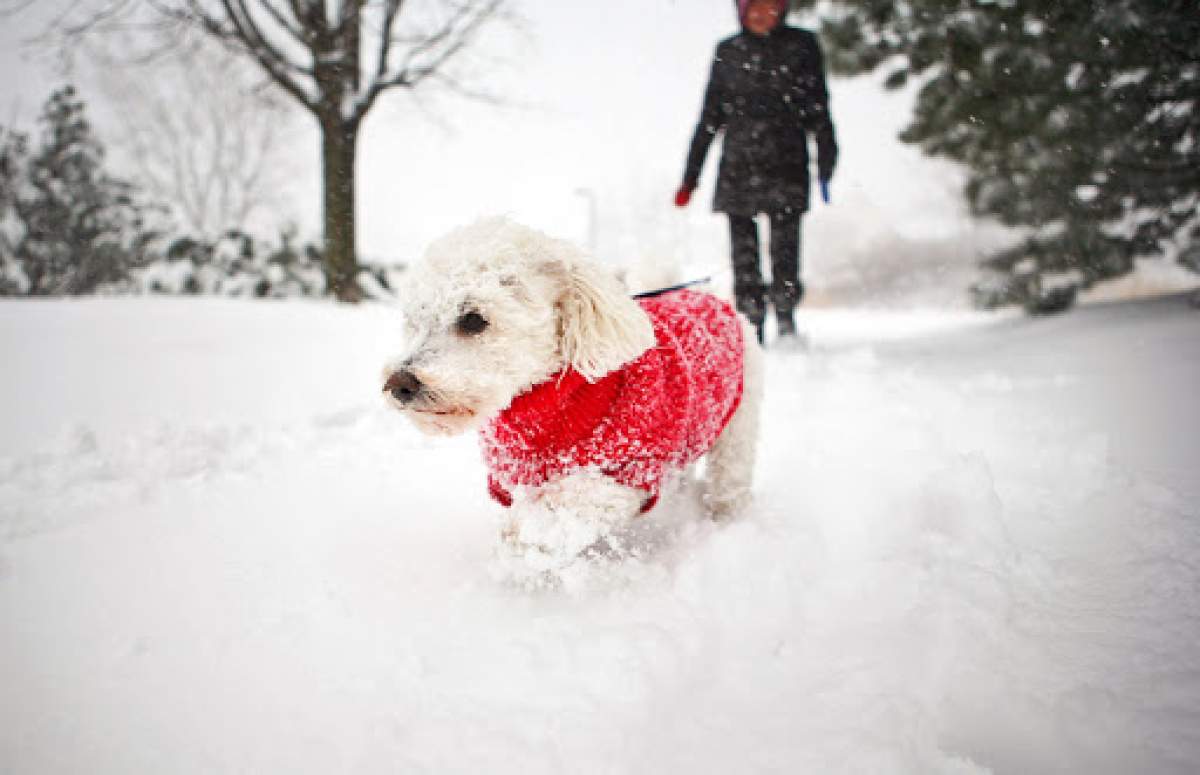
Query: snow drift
x: 972, y: 550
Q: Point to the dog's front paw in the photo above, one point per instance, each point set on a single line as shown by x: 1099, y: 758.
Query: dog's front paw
x: 534, y: 566
x: 557, y: 530
x: 546, y: 547
x: 549, y: 536
x: 726, y: 506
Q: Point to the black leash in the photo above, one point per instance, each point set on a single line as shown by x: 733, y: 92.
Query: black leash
x: 669, y: 288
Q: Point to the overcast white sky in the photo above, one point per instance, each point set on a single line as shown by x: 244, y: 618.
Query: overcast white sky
x: 605, y: 97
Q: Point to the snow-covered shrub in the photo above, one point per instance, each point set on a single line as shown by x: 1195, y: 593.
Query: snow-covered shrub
x: 234, y: 265
x: 238, y: 264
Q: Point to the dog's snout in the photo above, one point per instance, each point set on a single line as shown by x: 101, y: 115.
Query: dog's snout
x: 403, y: 386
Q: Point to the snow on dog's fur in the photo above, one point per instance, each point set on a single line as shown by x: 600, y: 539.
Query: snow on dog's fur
x: 498, y: 312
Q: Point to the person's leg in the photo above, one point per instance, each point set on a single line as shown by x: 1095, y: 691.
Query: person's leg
x: 747, y: 272
x: 786, y: 287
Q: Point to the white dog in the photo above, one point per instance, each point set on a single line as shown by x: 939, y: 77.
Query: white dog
x: 586, y: 400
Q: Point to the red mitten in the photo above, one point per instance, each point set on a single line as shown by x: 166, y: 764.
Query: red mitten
x: 683, y: 196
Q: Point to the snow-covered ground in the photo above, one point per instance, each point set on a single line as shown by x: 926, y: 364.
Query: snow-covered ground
x: 973, y: 548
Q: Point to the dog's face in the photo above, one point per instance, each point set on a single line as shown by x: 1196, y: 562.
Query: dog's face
x: 496, y: 308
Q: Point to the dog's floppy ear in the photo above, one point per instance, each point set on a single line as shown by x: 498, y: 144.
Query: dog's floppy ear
x: 602, y: 328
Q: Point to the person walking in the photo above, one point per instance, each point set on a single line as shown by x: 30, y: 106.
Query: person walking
x: 766, y: 91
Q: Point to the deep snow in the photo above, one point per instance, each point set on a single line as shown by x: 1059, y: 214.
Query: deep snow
x: 973, y: 548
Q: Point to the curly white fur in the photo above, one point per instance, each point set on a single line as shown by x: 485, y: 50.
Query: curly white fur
x: 496, y: 308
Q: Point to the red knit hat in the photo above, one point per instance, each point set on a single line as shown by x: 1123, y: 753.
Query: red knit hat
x: 742, y: 5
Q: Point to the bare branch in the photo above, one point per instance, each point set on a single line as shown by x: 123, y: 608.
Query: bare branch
x: 455, y: 35
x: 245, y: 36
x: 390, y: 11
x: 13, y: 7
x: 286, y: 24
x: 66, y: 32
x: 458, y: 88
x: 252, y: 34
x: 96, y: 20
x: 429, y: 42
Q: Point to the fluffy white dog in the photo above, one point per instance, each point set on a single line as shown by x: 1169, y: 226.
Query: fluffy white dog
x: 586, y: 400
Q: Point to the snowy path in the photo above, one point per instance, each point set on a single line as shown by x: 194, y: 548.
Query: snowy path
x: 970, y: 551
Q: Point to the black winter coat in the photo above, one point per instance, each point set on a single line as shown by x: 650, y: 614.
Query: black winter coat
x: 768, y: 94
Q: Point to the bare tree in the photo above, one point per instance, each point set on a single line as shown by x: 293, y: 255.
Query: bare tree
x: 213, y: 156
x: 333, y: 57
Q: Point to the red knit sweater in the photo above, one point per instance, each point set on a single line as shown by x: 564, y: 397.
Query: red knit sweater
x: 661, y: 411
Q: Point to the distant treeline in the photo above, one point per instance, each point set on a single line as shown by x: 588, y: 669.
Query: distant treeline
x: 69, y: 227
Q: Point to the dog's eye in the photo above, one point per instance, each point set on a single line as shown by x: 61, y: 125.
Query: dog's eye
x: 470, y: 323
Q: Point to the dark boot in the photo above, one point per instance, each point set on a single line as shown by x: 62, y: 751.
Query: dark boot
x: 786, y: 324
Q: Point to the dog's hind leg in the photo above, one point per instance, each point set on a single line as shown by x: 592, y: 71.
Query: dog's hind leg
x: 729, y: 472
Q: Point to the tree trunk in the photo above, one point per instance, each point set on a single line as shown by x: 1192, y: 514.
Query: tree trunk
x: 339, y: 142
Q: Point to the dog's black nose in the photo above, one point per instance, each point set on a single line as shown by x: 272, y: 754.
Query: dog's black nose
x: 403, y: 385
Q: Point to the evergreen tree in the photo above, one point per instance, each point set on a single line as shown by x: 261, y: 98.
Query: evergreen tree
x: 13, y: 161
x: 69, y: 226
x: 1076, y: 119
